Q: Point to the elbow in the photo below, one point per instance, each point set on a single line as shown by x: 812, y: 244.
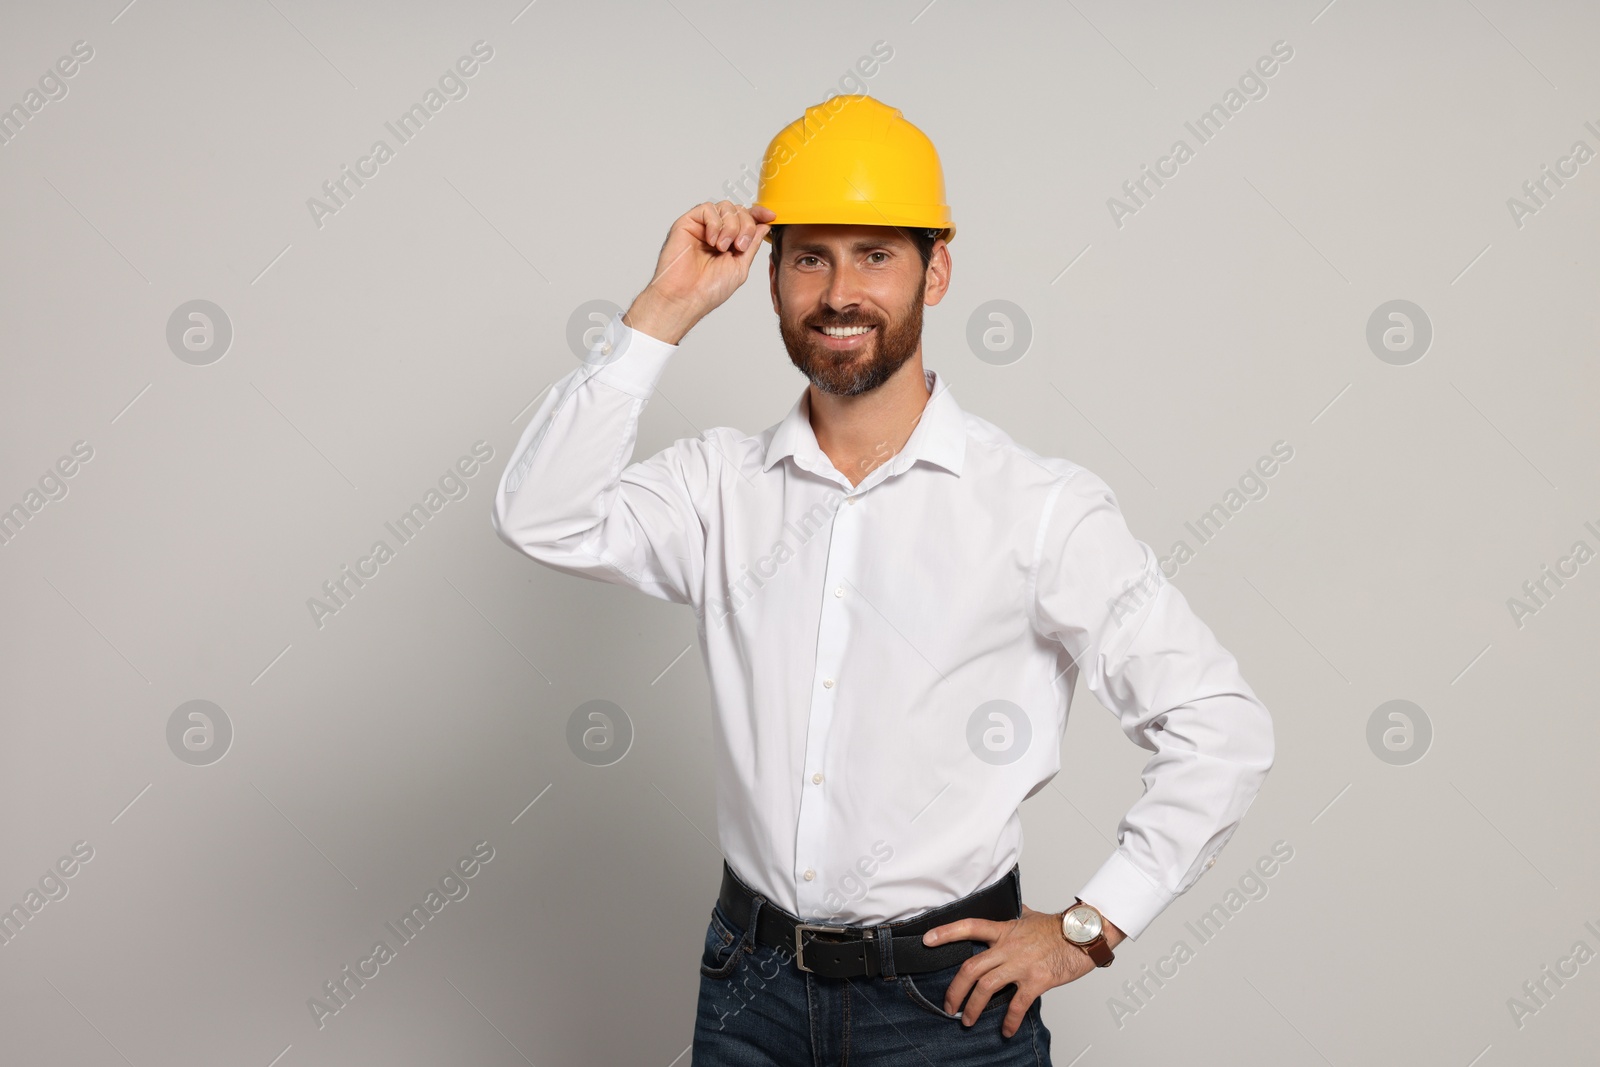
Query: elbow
x: 542, y: 534
x: 497, y: 520
x: 515, y: 511
x: 520, y: 532
x: 1266, y: 747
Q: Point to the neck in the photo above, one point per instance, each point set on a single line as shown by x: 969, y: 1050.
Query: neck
x: 861, y: 433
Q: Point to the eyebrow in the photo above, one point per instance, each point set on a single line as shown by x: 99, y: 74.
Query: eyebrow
x: 860, y: 245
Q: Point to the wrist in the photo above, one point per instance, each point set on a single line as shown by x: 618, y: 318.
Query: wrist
x: 659, y: 317
x: 1084, y: 927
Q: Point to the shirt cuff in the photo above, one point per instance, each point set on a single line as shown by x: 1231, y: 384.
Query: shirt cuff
x: 629, y: 359
x: 1123, y: 894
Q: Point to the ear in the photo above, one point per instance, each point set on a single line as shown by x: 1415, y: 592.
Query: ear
x: 772, y: 278
x: 938, y: 273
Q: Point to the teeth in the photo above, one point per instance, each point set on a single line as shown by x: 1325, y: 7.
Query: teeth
x: 845, y: 331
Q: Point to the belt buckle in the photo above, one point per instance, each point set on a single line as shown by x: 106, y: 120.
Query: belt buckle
x: 799, y: 943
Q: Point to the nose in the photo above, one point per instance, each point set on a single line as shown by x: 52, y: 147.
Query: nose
x: 844, y: 288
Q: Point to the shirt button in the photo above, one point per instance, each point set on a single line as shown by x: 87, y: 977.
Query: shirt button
x: 817, y: 778
x: 810, y: 874
x: 839, y: 591
x: 851, y: 499
x: 1210, y: 861
x: 827, y: 683
x: 605, y: 349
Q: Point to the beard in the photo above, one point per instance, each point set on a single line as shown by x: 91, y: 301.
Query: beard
x: 864, y: 369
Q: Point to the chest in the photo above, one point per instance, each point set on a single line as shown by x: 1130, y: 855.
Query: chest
x: 914, y: 567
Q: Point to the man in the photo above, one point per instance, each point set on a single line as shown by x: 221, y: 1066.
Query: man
x: 895, y: 601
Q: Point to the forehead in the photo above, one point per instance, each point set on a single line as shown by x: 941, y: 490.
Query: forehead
x: 838, y: 236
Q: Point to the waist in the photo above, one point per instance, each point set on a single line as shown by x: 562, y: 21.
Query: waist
x: 866, y: 949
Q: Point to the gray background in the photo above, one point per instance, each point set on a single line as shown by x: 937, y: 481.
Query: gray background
x: 430, y: 312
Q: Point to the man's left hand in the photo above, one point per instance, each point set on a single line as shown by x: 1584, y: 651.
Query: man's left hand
x: 1029, y: 951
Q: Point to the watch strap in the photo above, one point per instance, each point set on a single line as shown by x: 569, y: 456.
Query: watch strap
x: 1099, y: 951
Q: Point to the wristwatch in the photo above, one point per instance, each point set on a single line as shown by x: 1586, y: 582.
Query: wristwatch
x: 1082, y: 925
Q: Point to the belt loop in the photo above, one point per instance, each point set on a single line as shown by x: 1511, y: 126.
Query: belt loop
x: 885, y: 933
x: 749, y: 939
x: 1016, y: 886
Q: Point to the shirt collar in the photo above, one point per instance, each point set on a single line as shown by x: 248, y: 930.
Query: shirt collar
x: 940, y: 436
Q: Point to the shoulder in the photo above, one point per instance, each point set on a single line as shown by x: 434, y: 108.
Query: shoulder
x: 994, y: 455
x: 718, y: 452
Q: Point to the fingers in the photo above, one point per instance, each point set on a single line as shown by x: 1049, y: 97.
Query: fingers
x: 1014, y: 1014
x: 744, y: 248
x: 720, y: 235
x: 716, y: 234
x: 1025, y: 952
x: 968, y: 977
x: 747, y: 230
x: 967, y: 930
x: 726, y: 226
x: 986, y: 979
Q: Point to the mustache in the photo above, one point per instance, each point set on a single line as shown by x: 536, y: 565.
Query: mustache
x: 833, y: 318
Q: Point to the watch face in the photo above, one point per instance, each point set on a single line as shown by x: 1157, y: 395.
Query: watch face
x: 1081, y: 924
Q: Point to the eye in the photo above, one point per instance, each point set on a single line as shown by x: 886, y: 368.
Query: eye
x: 805, y: 260
x: 885, y: 256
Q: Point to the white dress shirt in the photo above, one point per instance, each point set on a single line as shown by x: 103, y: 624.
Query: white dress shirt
x: 892, y: 663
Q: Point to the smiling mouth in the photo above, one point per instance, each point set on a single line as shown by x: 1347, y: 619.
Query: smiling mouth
x: 844, y: 338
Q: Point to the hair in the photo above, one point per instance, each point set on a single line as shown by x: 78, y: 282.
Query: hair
x: 923, y: 239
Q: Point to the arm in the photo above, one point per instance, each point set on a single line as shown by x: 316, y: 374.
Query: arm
x: 1175, y: 690
x: 567, y: 500
x: 1177, y: 693
x: 566, y: 497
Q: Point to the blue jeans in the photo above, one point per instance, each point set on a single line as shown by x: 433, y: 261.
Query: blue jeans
x: 757, y: 1009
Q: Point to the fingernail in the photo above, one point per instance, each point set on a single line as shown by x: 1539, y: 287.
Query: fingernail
x: 744, y: 241
x: 929, y: 938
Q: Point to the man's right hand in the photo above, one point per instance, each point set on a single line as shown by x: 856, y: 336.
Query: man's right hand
x: 707, y: 255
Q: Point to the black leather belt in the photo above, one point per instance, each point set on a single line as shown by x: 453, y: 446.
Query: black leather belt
x: 854, y: 951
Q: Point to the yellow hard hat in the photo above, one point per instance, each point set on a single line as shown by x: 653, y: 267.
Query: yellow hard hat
x: 855, y: 161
